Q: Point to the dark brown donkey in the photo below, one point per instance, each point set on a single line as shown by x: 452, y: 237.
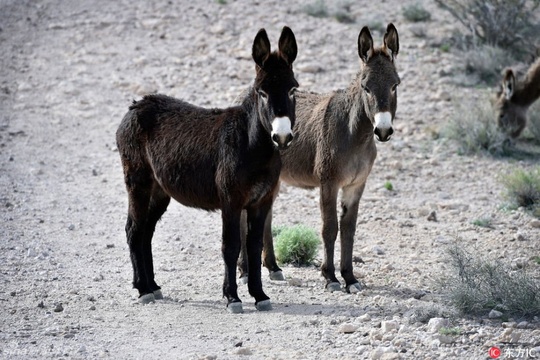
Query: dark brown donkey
x: 211, y: 159
x: 515, y: 97
x: 335, y: 149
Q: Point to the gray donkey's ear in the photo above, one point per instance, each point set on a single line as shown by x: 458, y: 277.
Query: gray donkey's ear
x: 365, y: 44
x: 391, y: 41
x: 261, y: 48
x: 508, y: 84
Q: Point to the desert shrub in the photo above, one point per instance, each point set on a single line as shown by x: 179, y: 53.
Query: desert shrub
x: 533, y: 123
x: 341, y: 11
x: 316, y: 8
x: 416, y: 13
x: 388, y: 186
x: 296, y: 245
x: 508, y: 24
x: 476, y: 286
x: 474, y: 128
x: 487, y: 62
x: 483, y: 222
x: 523, y: 188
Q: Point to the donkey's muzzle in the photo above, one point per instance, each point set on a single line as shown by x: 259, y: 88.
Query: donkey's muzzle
x: 282, y: 142
x: 282, y: 134
x: 383, y: 126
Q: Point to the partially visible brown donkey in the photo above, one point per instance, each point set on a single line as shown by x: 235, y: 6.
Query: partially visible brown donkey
x: 514, y: 98
x: 335, y: 149
x: 211, y: 159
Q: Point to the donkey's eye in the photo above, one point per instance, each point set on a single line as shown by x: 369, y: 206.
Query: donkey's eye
x: 366, y: 90
x: 292, y: 92
x: 263, y: 95
x: 394, y: 88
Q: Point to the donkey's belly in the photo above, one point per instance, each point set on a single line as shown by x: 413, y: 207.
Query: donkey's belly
x: 301, y: 180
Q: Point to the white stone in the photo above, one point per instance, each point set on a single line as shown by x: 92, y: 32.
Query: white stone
x: 435, y: 324
x: 364, y: 318
x: 389, y: 325
x: 348, y: 328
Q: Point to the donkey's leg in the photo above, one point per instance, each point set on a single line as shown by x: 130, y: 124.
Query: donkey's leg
x: 349, y: 212
x: 242, y: 261
x: 254, y: 244
x: 158, y: 205
x: 269, y: 257
x: 328, y: 203
x: 230, y: 249
x: 139, y: 185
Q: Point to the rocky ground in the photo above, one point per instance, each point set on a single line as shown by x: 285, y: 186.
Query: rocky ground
x: 68, y: 71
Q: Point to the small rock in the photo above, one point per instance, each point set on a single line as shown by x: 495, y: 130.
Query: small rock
x: 509, y: 336
x: 295, y: 282
x: 518, y: 263
x: 364, y: 318
x: 494, y: 314
x: 41, y: 305
x: 519, y: 236
x: 347, y: 328
x: 389, y: 325
x: 243, y: 351
x: 432, y: 216
x: 523, y: 325
x: 71, y: 227
x: 58, y: 308
x: 535, y: 224
x: 92, y: 308
x: 445, y: 339
x: 382, y: 352
x: 378, y: 250
x: 435, y: 324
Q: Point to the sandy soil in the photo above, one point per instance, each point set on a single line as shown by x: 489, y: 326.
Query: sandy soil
x: 69, y: 70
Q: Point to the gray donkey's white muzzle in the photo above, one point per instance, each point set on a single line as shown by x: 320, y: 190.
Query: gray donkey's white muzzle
x: 383, y: 126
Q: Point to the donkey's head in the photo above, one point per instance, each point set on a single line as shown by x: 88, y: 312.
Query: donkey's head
x: 275, y: 85
x: 379, y: 80
x: 512, y: 116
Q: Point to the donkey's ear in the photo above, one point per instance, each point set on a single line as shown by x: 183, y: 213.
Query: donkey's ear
x: 391, y: 41
x: 508, y: 83
x: 261, y: 48
x: 287, y: 45
x: 365, y: 44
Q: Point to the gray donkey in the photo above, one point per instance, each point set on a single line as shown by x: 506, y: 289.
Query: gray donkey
x: 334, y: 148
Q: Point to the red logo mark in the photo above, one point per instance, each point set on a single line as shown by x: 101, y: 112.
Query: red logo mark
x: 494, y: 352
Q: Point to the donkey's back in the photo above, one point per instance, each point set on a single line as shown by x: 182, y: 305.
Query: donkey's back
x: 177, y: 144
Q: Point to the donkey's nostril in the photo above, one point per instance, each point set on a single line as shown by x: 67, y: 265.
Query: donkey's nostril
x: 275, y: 138
x: 289, y: 138
x: 390, y: 132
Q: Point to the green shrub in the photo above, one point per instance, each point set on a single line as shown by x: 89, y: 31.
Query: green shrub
x: 523, y: 188
x: 476, y: 286
x: 473, y: 127
x: 416, y: 13
x: 482, y: 222
x: 296, y: 245
x: 388, y: 186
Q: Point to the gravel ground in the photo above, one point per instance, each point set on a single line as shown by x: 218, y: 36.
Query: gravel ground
x: 68, y: 72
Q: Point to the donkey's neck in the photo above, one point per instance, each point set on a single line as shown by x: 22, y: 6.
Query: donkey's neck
x: 350, y: 102
x: 255, y: 130
x: 528, y: 90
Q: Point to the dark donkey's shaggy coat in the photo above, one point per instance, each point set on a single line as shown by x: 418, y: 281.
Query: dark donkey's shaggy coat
x: 210, y: 159
x: 335, y: 149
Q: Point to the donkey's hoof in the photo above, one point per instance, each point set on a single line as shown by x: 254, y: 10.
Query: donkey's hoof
x: 158, y: 295
x: 244, y: 279
x: 354, y: 288
x: 277, y: 275
x: 235, y: 308
x: 333, y: 286
x: 147, y: 298
x: 265, y: 305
